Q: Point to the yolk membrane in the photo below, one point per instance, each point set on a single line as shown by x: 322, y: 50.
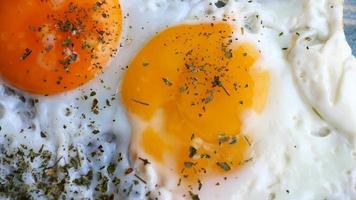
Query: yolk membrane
x: 198, y: 82
x: 53, y: 46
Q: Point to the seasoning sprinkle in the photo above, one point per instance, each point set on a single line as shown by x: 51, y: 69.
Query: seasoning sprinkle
x: 192, y: 151
x: 188, y: 164
x: 220, y: 4
x: 141, y: 179
x: 167, y: 82
x: 223, y: 165
x: 26, y: 54
x: 145, y: 161
x: 140, y: 102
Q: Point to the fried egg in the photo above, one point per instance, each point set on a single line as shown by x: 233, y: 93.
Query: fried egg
x: 215, y: 106
x: 203, y: 86
x: 172, y: 99
x: 56, y: 45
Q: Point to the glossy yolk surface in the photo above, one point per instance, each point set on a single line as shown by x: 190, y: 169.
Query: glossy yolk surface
x: 51, y: 46
x: 197, y: 82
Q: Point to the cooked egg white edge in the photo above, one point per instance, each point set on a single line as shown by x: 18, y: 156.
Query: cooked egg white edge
x: 326, y: 69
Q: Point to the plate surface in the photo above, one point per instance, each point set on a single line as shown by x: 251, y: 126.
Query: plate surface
x: 350, y: 23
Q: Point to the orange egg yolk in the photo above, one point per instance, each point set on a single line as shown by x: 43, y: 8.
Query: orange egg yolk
x: 197, y: 81
x: 51, y: 46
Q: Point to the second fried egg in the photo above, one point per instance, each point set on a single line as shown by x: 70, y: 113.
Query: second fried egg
x: 215, y: 112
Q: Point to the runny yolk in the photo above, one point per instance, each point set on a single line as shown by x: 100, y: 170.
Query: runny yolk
x: 197, y: 81
x: 51, y: 46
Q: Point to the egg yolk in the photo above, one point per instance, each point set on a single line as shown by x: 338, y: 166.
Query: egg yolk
x: 51, y: 46
x: 197, y: 81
